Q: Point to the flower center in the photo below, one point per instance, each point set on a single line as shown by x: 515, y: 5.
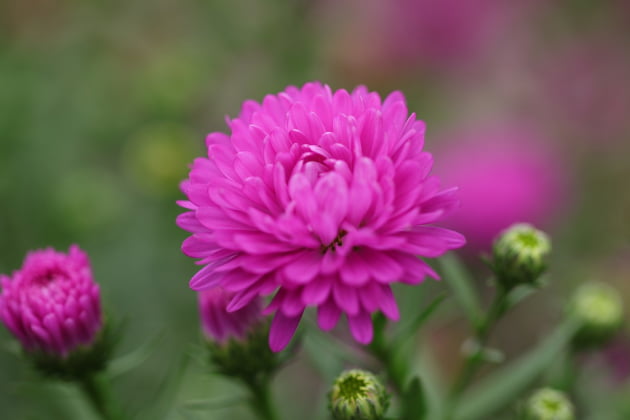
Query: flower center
x: 353, y: 387
x: 335, y: 243
x: 47, y: 277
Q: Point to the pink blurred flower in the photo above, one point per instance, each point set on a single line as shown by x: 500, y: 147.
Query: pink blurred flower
x: 507, y: 173
x: 220, y: 325
x: 52, y: 303
x: 321, y: 196
x: 434, y: 34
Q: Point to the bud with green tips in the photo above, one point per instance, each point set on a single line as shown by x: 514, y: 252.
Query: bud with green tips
x: 519, y: 255
x: 599, y: 311
x: 548, y: 404
x: 358, y: 395
x: 237, y: 340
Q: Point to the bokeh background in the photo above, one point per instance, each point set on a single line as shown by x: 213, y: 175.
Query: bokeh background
x: 104, y: 104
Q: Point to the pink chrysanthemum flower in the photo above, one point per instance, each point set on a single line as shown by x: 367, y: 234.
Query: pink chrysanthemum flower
x: 322, y: 197
x: 220, y: 325
x: 52, y: 303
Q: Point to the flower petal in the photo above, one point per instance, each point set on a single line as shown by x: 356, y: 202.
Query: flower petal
x: 282, y: 330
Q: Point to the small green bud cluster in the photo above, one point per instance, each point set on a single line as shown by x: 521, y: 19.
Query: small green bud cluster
x: 548, y: 404
x: 358, y: 395
x: 519, y: 255
x: 598, y: 309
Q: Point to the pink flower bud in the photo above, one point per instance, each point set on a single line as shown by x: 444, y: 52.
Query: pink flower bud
x: 52, y: 304
x: 219, y: 324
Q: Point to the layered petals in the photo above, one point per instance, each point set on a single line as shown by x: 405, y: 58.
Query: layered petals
x: 52, y: 304
x: 320, y: 198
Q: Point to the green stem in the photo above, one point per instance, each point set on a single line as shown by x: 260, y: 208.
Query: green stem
x: 386, y: 353
x: 482, y: 333
x: 386, y: 356
x: 97, y: 393
x: 261, y: 402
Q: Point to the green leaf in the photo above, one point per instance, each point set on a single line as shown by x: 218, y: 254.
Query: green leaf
x: 504, y: 386
x: 408, y: 330
x: 124, y: 364
x: 213, y: 404
x: 519, y: 293
x: 414, y: 403
x: 458, y: 278
x: 166, y: 390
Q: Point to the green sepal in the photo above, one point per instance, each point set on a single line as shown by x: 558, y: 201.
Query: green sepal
x: 84, y: 360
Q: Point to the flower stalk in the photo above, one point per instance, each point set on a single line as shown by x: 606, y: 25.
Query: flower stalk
x: 260, y: 401
x: 97, y: 392
x: 386, y: 355
x: 483, y: 329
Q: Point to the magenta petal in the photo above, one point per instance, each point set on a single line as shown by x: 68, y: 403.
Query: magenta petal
x: 304, y: 268
x: 259, y: 243
x: 205, y: 278
x: 331, y: 262
x: 282, y: 330
x: 361, y: 327
x: 346, y: 298
x: 369, y: 296
x: 237, y: 280
x: 382, y: 267
x: 331, y: 193
x: 387, y: 303
x: 292, y: 304
x: 355, y: 271
x: 242, y: 299
x: 328, y: 315
x: 317, y: 291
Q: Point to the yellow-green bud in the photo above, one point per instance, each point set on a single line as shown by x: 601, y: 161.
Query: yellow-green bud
x: 519, y: 255
x: 599, y: 310
x: 358, y: 395
x: 548, y: 404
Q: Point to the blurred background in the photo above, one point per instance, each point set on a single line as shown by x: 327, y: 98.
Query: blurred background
x: 104, y: 104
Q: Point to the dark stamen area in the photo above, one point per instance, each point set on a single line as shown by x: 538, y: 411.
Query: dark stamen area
x: 335, y: 243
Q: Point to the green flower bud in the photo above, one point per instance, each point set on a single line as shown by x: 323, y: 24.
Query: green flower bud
x: 519, y: 255
x: 245, y: 357
x: 599, y: 310
x: 548, y: 404
x: 358, y: 395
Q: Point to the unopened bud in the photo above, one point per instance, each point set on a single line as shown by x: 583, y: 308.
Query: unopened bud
x: 358, y: 395
x: 52, y: 306
x: 548, y: 404
x: 519, y: 255
x: 237, y: 340
x: 599, y: 310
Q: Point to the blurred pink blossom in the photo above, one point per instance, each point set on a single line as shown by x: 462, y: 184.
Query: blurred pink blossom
x: 52, y: 303
x: 507, y: 173
x: 220, y: 325
x: 433, y: 34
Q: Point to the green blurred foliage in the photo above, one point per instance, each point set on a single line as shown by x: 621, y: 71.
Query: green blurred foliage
x: 104, y: 104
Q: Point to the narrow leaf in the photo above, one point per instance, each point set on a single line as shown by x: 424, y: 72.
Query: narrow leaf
x: 504, y: 386
x: 408, y: 330
x: 129, y: 361
x: 520, y: 293
x: 414, y: 405
x: 457, y: 277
